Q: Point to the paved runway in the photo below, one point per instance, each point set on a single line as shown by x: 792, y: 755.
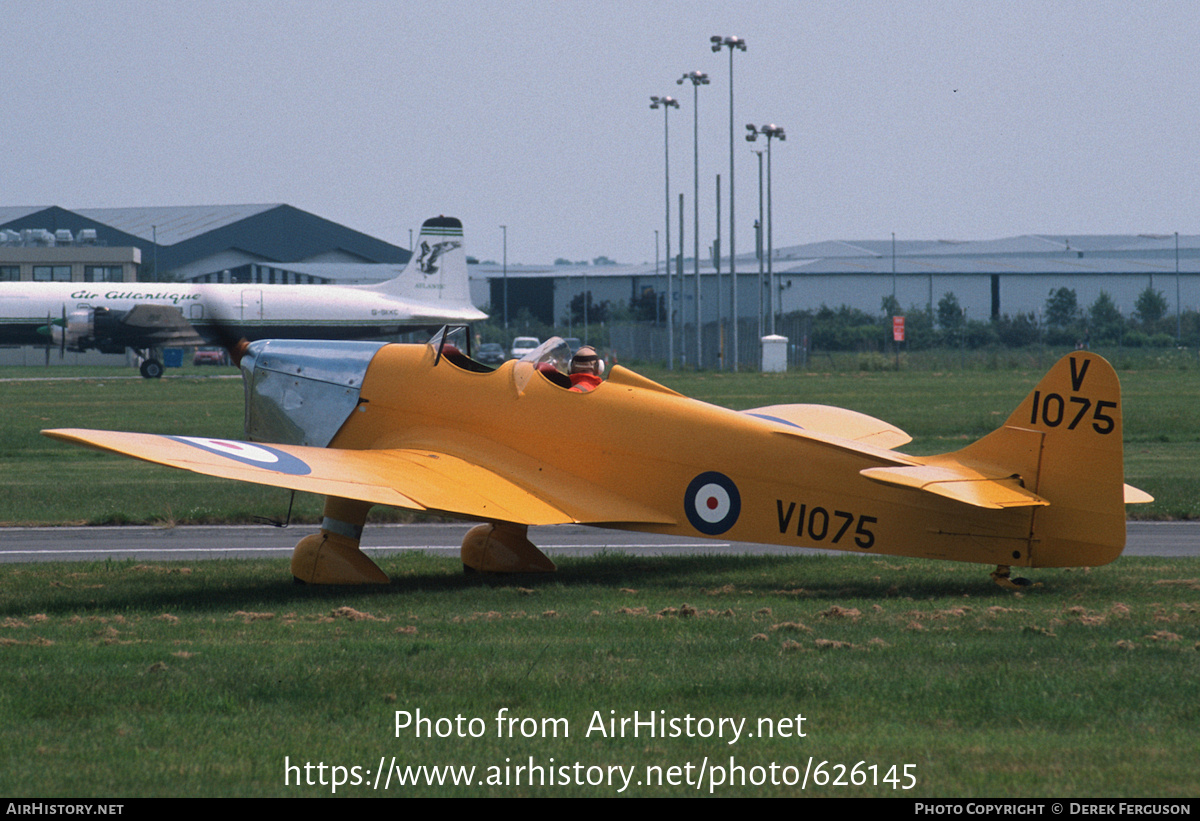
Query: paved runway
x: 42, y: 544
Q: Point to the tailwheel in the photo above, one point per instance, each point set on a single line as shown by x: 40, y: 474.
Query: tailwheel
x: 503, y: 548
x: 1002, y: 576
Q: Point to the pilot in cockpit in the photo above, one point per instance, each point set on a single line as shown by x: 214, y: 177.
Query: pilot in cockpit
x: 586, y: 370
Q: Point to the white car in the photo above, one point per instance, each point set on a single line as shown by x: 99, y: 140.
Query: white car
x: 523, y: 345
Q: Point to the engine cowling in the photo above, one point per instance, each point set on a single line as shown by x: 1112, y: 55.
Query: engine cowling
x: 86, y: 328
x: 300, y: 392
x: 75, y: 331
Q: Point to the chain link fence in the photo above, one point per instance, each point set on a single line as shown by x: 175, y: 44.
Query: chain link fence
x: 647, y: 342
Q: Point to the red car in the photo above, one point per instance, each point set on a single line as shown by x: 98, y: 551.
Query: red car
x: 210, y: 356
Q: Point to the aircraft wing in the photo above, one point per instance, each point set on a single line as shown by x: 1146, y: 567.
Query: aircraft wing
x: 417, y: 479
x: 152, y: 326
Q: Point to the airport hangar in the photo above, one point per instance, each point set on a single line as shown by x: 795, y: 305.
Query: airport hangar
x: 220, y: 243
x: 990, y: 278
x: 278, y: 243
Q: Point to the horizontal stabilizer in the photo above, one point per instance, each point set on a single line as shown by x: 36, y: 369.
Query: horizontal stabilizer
x: 846, y: 424
x: 961, y: 483
x: 1134, y: 496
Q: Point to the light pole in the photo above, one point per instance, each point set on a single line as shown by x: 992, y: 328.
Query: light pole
x: 1178, y: 315
x: 759, y: 226
x: 504, y: 228
x: 666, y: 104
x: 738, y: 44
x: 771, y: 132
x: 657, y: 295
x: 698, y: 78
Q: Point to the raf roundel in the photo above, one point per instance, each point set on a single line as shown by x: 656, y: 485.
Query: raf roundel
x: 256, y: 455
x: 712, y: 503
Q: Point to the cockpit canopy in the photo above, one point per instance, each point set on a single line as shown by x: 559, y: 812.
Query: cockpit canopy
x: 453, y: 342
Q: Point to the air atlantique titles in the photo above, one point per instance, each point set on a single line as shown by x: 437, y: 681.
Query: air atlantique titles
x: 175, y: 297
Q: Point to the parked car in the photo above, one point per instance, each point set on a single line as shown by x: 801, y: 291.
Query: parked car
x: 523, y: 345
x: 574, y: 342
x: 210, y: 356
x: 490, y: 353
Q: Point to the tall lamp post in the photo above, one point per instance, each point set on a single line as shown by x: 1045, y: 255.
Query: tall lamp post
x: 771, y: 132
x: 504, y: 228
x: 666, y: 104
x: 759, y: 228
x: 698, y: 78
x: 733, y: 44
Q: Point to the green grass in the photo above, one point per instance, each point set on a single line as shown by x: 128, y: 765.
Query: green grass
x: 46, y: 482
x: 122, y: 679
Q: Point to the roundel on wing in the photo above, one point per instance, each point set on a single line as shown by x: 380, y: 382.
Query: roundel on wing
x: 712, y: 503
x: 260, y: 456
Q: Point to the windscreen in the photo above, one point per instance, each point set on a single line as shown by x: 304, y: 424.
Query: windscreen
x: 553, y: 351
x: 453, y: 338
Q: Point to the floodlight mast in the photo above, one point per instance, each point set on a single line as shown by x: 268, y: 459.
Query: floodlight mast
x: 759, y: 228
x: 771, y: 132
x: 504, y: 228
x: 698, y: 78
x: 733, y: 44
x: 666, y: 104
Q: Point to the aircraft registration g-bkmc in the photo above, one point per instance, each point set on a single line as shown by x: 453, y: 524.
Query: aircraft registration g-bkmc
x: 424, y: 426
x: 432, y: 290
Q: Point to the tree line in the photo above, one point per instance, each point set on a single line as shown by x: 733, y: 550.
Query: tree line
x: 1062, y: 322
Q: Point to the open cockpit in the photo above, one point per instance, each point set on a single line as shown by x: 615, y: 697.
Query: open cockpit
x: 552, y: 359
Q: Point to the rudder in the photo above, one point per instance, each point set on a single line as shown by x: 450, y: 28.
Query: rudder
x: 1065, y: 441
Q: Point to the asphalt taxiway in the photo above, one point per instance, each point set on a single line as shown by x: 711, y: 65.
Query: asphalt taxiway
x: 44, y: 544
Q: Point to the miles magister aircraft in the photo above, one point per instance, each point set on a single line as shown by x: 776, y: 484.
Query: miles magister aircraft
x: 431, y: 291
x: 425, y: 427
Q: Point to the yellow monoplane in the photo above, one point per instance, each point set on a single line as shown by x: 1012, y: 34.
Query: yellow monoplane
x: 423, y: 426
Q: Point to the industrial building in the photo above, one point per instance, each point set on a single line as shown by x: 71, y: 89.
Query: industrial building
x: 990, y: 278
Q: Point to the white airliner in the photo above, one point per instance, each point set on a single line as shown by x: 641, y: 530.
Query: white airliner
x: 431, y: 291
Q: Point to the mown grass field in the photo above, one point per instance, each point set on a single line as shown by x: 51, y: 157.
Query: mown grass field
x: 124, y: 679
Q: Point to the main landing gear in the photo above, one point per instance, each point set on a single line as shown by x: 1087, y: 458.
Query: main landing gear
x: 503, y: 548
x: 333, y: 556
x: 149, y: 365
x: 151, y: 369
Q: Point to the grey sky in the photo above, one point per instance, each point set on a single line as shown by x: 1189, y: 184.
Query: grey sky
x: 927, y: 119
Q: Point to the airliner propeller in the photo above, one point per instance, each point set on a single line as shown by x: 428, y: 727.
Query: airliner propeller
x: 47, y: 330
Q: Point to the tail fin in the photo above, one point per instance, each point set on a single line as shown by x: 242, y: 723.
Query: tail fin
x: 1065, y: 443
x: 436, y: 276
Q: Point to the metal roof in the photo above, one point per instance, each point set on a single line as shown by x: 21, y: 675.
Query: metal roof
x: 9, y: 213
x: 173, y: 223
x: 1028, y: 254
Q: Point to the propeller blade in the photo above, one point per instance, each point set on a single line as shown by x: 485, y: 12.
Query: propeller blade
x: 237, y: 351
